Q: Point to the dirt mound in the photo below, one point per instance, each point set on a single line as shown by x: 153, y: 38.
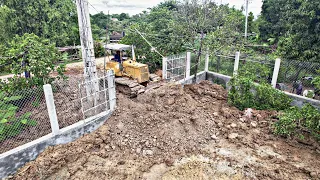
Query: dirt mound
x: 152, y: 136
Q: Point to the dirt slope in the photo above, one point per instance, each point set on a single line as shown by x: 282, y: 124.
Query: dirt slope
x: 179, y: 133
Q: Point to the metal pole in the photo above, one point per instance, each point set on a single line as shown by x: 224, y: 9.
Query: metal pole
x: 247, y: 14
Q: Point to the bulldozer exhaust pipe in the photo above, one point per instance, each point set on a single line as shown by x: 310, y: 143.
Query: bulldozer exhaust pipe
x: 133, y: 54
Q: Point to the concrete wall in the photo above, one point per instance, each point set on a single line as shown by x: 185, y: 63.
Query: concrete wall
x: 201, y: 76
x: 218, y: 78
x: 12, y: 160
x: 298, y: 101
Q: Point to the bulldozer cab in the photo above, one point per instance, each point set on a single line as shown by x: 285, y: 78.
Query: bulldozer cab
x: 122, y: 65
x: 120, y: 51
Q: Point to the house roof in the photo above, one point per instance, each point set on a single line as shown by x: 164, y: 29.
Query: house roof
x: 119, y: 47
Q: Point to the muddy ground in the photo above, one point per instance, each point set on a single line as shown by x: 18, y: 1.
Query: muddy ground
x: 180, y: 133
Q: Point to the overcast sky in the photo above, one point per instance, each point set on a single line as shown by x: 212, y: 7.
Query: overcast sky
x: 137, y: 6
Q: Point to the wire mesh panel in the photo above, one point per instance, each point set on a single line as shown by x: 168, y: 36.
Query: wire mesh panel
x: 176, y: 67
x: 67, y: 100
x: 222, y: 64
x: 97, y: 102
x: 23, y: 117
x: 294, y: 73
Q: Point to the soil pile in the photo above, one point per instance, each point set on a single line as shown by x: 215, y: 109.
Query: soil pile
x: 177, y: 132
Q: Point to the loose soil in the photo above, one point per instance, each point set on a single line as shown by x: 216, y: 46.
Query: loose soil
x: 177, y: 132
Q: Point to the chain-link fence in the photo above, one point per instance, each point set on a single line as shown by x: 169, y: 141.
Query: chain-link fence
x: 222, y: 64
x: 261, y: 70
x: 23, y: 117
x: 67, y: 100
x: 201, y: 63
x: 297, y: 73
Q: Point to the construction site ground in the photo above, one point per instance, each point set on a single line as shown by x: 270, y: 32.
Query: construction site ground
x: 177, y: 132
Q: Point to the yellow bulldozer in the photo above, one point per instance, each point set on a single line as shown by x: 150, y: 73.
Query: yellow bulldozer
x: 132, y: 77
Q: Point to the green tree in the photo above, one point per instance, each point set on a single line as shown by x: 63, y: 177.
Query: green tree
x: 159, y: 29
x: 302, y: 38
x: 273, y: 23
x: 123, y: 16
x: 251, y: 23
x: 55, y: 19
x: 30, y: 53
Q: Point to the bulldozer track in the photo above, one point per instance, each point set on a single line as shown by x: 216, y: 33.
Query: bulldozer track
x: 132, y: 88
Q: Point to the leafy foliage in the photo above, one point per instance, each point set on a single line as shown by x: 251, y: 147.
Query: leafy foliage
x: 246, y: 93
x: 174, y: 27
x: 55, y: 20
x: 294, y: 121
x: 159, y: 28
x: 11, y: 124
x: 99, y: 51
x: 295, y: 27
x: 30, y: 53
x: 316, y: 81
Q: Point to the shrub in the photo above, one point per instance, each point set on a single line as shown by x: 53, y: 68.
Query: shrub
x: 246, y: 93
x: 11, y: 124
x: 99, y: 50
x: 294, y: 120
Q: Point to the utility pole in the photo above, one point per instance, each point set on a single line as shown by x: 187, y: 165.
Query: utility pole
x: 90, y: 69
x: 247, y: 14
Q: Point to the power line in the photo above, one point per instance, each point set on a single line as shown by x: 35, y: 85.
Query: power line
x: 152, y: 48
x: 93, y: 7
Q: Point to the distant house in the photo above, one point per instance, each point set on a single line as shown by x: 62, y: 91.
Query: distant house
x: 114, y: 19
x: 116, y: 37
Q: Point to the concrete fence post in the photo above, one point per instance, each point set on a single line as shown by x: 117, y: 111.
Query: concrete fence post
x: 206, y: 67
x: 236, y: 64
x: 51, y: 109
x: 275, y: 72
x: 111, y: 90
x: 164, y: 67
x: 188, y: 64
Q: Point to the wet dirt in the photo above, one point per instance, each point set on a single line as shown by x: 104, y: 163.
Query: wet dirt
x: 177, y: 132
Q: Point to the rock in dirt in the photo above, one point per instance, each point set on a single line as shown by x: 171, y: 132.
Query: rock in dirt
x: 147, y: 152
x: 248, y: 113
x: 254, y: 124
x: 233, y: 135
x: 214, y: 137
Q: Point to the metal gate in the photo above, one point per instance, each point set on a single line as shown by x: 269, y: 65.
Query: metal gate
x: 174, y: 67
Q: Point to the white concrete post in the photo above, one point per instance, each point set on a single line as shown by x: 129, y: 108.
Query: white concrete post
x: 51, y: 109
x: 164, y: 68
x: 206, y: 67
x: 111, y: 90
x: 188, y: 64
x: 236, y: 64
x: 275, y: 72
